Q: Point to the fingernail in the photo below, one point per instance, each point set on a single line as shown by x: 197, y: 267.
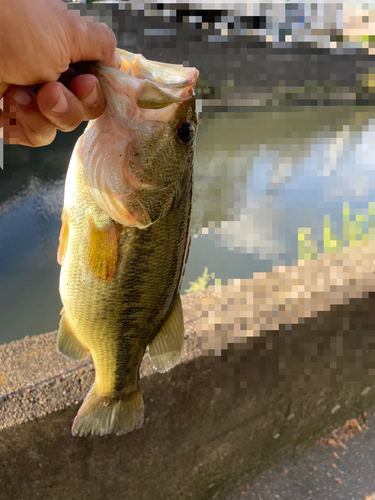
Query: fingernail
x: 62, y: 104
x: 92, y: 97
x: 21, y: 97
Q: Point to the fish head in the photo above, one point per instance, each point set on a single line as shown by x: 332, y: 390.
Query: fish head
x: 138, y: 154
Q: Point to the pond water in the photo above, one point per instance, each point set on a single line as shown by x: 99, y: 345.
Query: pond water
x: 259, y: 176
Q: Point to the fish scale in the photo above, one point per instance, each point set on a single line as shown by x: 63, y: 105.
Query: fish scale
x: 125, y: 238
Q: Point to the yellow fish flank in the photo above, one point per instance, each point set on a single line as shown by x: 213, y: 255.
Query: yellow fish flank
x: 125, y: 236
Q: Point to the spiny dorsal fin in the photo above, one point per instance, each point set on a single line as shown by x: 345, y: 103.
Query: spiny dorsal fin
x: 103, y: 249
x: 63, y: 238
x: 67, y: 342
x: 165, y: 349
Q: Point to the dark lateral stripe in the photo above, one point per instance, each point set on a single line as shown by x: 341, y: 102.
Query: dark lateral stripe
x: 152, y: 276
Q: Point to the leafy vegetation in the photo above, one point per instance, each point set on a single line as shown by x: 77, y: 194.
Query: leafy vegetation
x: 201, y: 282
x: 356, y: 231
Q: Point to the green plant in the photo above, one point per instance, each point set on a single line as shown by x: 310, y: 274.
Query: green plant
x: 307, y: 248
x: 356, y: 231
x: 201, y: 282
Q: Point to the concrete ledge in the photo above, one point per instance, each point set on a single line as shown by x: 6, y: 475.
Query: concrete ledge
x: 286, y: 357
x: 36, y: 380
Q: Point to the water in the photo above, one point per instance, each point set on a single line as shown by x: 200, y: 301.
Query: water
x: 259, y: 176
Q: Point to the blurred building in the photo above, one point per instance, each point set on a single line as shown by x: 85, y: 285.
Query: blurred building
x: 324, y: 24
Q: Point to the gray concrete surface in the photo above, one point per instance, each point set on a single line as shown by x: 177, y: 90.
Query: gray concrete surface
x: 323, y: 472
x: 36, y: 380
x: 269, y: 366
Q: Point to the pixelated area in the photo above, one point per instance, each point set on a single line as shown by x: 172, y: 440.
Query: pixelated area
x: 283, y: 177
x: 309, y: 325
x: 303, y: 42
x: 11, y: 135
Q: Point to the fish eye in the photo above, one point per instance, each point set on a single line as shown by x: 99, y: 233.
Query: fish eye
x: 186, y: 132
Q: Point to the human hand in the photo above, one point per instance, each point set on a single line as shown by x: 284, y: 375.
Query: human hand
x: 41, y: 39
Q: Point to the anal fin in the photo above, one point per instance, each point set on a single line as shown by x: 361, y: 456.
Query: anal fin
x: 67, y: 342
x: 165, y: 349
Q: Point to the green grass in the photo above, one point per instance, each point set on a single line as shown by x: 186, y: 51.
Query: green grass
x: 201, y: 282
x: 368, y: 38
x: 356, y: 231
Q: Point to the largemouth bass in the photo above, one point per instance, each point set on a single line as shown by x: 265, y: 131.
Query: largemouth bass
x: 125, y: 236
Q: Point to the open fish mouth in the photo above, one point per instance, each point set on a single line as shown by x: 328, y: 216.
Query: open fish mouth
x: 147, y: 84
x: 125, y: 236
x: 138, y: 149
x: 174, y: 77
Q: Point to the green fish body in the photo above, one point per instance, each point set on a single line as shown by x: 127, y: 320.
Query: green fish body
x: 125, y: 237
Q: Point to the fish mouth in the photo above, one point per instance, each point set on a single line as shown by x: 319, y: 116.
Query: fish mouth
x: 175, y: 79
x: 141, y: 85
x: 143, y: 99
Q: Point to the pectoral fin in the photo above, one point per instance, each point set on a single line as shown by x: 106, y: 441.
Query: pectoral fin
x: 103, y: 249
x: 67, y: 342
x: 63, y: 238
x: 165, y: 349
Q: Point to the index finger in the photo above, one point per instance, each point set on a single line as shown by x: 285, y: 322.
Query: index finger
x: 96, y: 42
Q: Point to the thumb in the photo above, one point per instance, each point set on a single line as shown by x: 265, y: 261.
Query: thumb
x: 3, y: 88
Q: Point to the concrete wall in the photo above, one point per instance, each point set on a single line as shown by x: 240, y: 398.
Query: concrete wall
x: 295, y: 356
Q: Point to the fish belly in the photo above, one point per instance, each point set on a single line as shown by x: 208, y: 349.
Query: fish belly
x: 114, y: 306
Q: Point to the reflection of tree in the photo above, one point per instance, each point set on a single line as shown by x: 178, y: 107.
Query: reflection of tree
x: 49, y: 163
x: 46, y: 207
x: 39, y: 207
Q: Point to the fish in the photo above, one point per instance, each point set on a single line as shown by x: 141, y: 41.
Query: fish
x: 125, y: 236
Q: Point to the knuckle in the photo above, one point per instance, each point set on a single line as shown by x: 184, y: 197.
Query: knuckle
x: 69, y: 125
x: 110, y: 36
x: 110, y: 47
x: 113, y: 39
x: 71, y: 119
x: 38, y: 139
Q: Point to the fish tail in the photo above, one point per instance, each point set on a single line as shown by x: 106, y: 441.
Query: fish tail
x: 100, y: 415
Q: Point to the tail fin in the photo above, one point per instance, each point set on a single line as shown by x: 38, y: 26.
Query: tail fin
x: 100, y: 415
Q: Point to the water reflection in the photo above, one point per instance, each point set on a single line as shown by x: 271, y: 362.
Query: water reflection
x: 275, y: 173
x: 29, y: 229
x: 258, y: 177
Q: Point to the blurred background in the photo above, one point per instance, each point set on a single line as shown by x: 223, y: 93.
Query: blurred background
x: 283, y: 165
